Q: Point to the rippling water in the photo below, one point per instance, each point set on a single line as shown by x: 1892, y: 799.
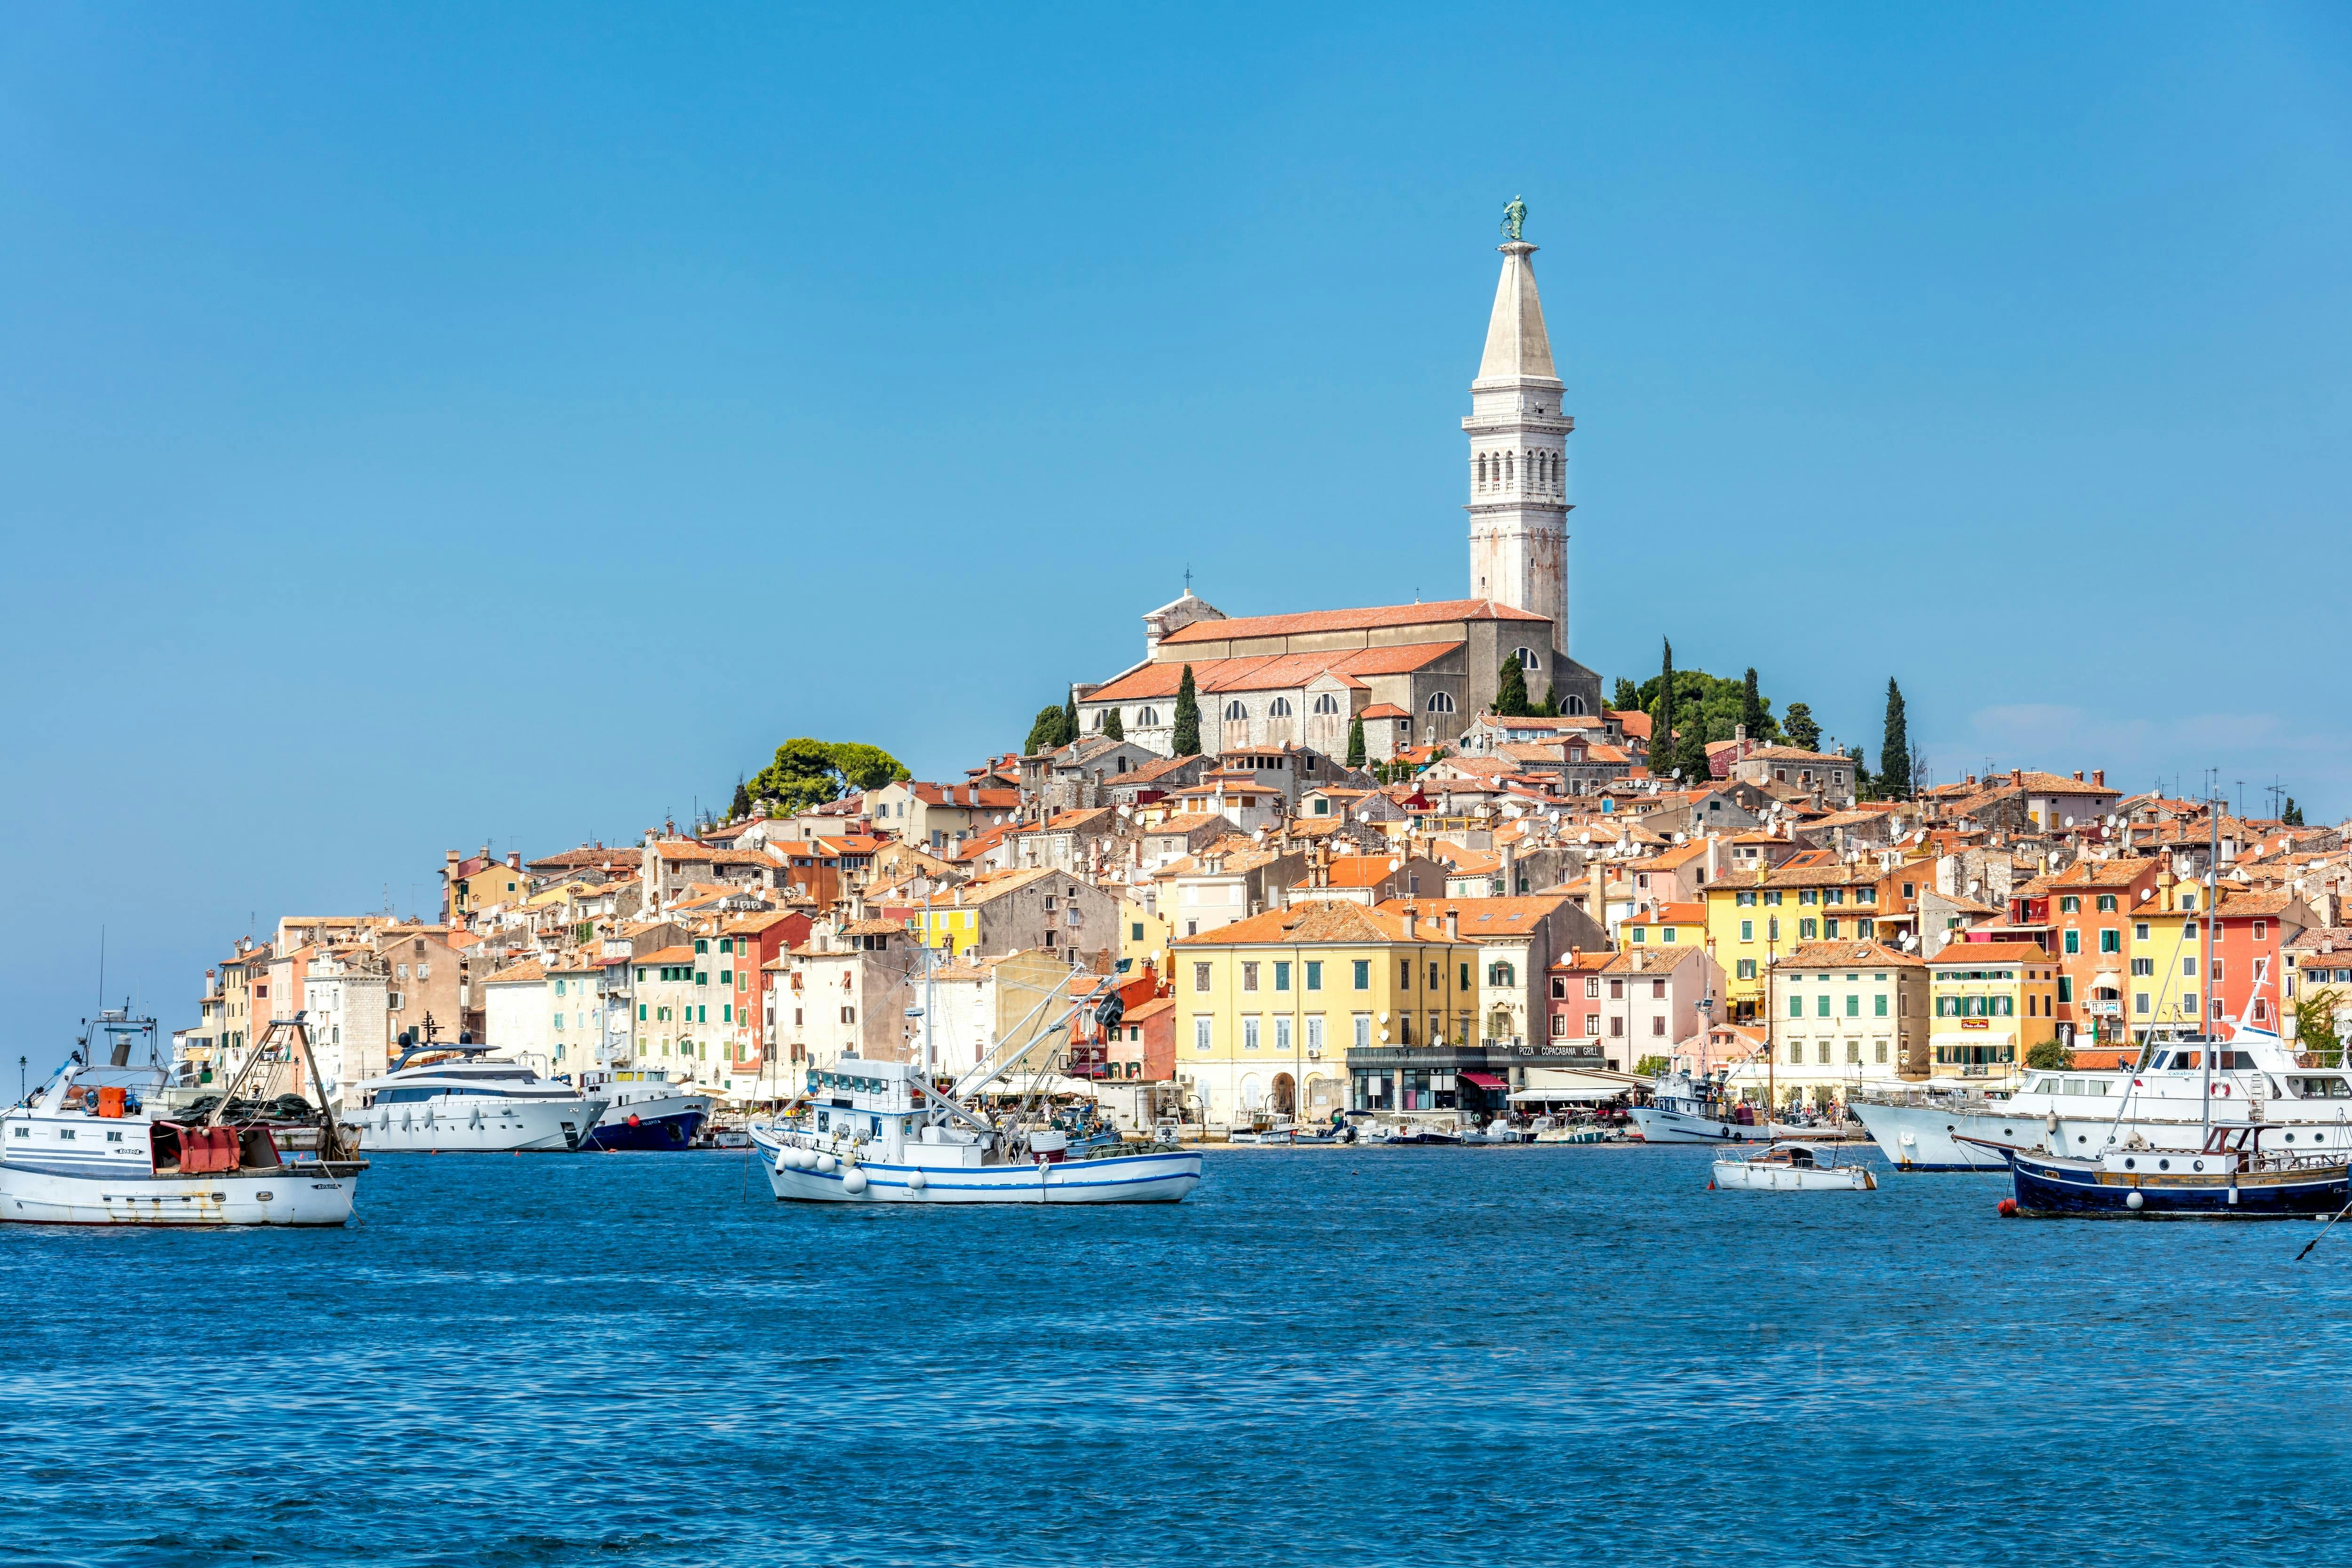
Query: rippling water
x: 1413, y: 1355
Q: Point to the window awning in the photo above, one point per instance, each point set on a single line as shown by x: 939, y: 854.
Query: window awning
x: 1484, y: 1080
x: 1594, y: 1093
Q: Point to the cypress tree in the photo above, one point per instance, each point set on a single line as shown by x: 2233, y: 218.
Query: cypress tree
x: 1356, y: 742
x: 1112, y: 728
x: 1690, y: 754
x: 1069, y: 719
x: 1511, y: 692
x: 740, y: 807
x: 1551, y: 701
x: 1751, y: 707
x: 1660, y: 759
x: 1894, y: 750
x: 1187, y: 740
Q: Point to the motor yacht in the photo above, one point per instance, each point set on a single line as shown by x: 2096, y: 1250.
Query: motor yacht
x: 644, y: 1110
x: 463, y: 1099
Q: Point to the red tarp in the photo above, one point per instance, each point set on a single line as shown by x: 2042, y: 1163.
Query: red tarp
x: 1484, y: 1080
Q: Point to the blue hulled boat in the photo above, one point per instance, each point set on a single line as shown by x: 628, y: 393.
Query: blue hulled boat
x: 646, y: 1111
x: 2230, y: 1176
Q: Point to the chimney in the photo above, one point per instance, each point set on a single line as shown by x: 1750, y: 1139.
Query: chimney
x: 1452, y: 924
x: 1411, y: 924
x: 2099, y: 777
x: 514, y: 860
x: 2078, y: 776
x: 2017, y: 777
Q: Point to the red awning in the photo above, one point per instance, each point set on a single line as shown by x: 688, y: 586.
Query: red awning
x: 1484, y: 1080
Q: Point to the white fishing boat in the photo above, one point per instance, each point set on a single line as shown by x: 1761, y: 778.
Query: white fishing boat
x: 878, y: 1132
x: 1683, y: 1110
x: 95, y: 1145
x: 463, y: 1100
x: 1793, y: 1167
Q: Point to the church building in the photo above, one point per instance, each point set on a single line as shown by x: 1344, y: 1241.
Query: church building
x: 1416, y: 674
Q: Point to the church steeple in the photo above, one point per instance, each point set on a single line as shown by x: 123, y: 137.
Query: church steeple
x: 1518, y: 456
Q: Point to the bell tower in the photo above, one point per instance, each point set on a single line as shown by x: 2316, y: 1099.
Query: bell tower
x: 1519, y: 453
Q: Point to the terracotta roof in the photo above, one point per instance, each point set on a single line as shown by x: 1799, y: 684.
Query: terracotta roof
x: 665, y: 956
x: 1385, y: 710
x: 1268, y: 672
x: 1151, y: 1008
x: 1429, y: 614
x: 1157, y: 767
x: 1482, y: 917
x: 1671, y: 914
x: 1320, y: 921
x: 1361, y: 871
x: 570, y: 860
x: 1848, y: 955
x: 1960, y: 953
x: 528, y: 971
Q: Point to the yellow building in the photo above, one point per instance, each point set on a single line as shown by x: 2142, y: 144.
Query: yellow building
x: 1268, y: 1007
x: 1750, y: 921
x: 1991, y: 1003
x: 1664, y: 925
x: 1142, y: 936
x: 2165, y: 943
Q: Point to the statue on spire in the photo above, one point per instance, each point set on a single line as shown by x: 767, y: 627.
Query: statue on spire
x: 1514, y: 215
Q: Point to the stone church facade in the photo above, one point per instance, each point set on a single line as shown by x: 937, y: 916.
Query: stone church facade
x: 1418, y: 672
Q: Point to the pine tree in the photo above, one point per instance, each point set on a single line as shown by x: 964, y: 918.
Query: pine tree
x: 1799, y: 726
x: 1751, y: 707
x: 1690, y: 754
x: 1626, y: 698
x: 740, y: 807
x: 2293, y: 815
x: 1511, y: 692
x: 1112, y: 728
x: 1894, y: 750
x: 1356, y: 742
x: 1187, y: 716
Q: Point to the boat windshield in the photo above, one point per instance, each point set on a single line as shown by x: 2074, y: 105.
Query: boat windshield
x: 2328, y: 1086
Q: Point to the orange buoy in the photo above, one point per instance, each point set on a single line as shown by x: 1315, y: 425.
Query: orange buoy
x: 2006, y: 1208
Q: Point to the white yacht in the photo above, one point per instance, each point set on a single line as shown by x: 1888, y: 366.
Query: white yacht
x: 2070, y: 1112
x: 467, y: 1100
x: 95, y: 1145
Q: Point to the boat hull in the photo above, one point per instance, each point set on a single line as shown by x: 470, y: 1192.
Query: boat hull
x: 283, y: 1197
x: 458, y: 1126
x: 671, y: 1129
x: 1745, y: 1175
x: 1167, y: 1176
x: 2048, y: 1188
x: 1928, y: 1137
x: 1653, y: 1126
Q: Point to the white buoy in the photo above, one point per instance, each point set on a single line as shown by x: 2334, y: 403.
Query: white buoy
x: 915, y: 1182
x: 827, y: 1164
x: 800, y: 1158
x: 853, y: 1181
x: 2132, y: 1199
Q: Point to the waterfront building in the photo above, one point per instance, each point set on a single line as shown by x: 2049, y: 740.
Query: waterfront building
x: 1991, y: 1002
x: 2080, y: 916
x: 1268, y: 1008
x: 1847, y: 1016
x: 1635, y: 1006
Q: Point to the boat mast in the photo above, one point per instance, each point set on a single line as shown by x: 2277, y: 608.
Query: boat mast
x: 2205, y: 982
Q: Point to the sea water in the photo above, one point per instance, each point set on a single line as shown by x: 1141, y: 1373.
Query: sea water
x: 1327, y: 1355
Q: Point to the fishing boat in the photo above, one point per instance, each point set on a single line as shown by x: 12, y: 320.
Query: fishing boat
x: 441, y: 1099
x: 2231, y: 1175
x: 1683, y: 1110
x: 878, y: 1131
x: 644, y: 1110
x: 99, y: 1145
x: 1793, y: 1167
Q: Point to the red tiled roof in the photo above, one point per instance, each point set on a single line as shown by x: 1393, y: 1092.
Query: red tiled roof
x: 1347, y: 620
x: 1269, y: 671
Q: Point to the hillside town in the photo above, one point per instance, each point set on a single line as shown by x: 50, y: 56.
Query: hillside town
x: 1406, y: 860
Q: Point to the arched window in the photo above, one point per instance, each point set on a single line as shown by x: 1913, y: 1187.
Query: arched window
x: 1439, y: 702
x: 1527, y: 660
x: 1327, y: 703
x: 1278, y: 708
x: 1575, y: 704
x: 1501, y: 975
x: 1236, y: 710
x: 1100, y: 713
x: 1147, y: 716
x: 1482, y: 470
x: 1510, y: 467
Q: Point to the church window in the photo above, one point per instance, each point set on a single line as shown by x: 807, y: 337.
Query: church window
x: 1510, y: 468
x: 1280, y: 710
x: 1575, y: 704
x: 1147, y: 716
x: 1527, y: 660
x: 1236, y: 710
x: 1439, y: 702
x: 1482, y: 470
x: 1327, y: 703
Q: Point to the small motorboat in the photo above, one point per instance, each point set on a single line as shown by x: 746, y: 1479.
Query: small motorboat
x: 1570, y: 1130
x: 1793, y: 1167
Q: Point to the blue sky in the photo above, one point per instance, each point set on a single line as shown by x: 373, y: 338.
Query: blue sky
x: 508, y: 424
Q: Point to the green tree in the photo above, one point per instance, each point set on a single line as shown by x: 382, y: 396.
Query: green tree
x: 1661, y: 758
x: 1865, y: 787
x: 1626, y: 698
x: 2315, y: 1025
x: 1112, y: 730
x: 1653, y: 1067
x: 1895, y: 750
x: 1751, y: 707
x: 1511, y: 692
x: 2293, y: 815
x: 1045, y: 731
x: 1551, y: 701
x: 1070, y: 718
x: 1187, y: 738
x: 801, y: 776
x: 2050, y: 1056
x: 1717, y: 706
x: 1356, y: 753
x: 1690, y: 755
x: 1800, y: 730
x: 740, y: 807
